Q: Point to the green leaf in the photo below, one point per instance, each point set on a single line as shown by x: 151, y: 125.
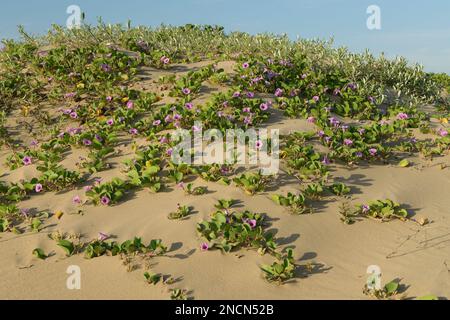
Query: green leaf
x: 391, y: 287
x: 39, y: 253
x: 67, y: 246
x: 428, y: 297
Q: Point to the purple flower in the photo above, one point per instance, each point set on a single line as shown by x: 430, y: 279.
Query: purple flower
x: 252, y: 223
x: 263, y: 106
x: 87, y: 142
x: 402, y: 116
x: 279, y: 92
x: 156, y: 122
x: 163, y: 140
x: 348, y: 142
x: 169, y: 151
x: 245, y: 65
x: 189, y: 106
x: 336, y: 92
x: 258, y: 144
x: 69, y: 95
x: 110, y: 122
x: 246, y: 110
x: 359, y: 154
x: 204, y: 246
x: 38, y: 187
x: 361, y: 131
x: 316, y: 98
x: 130, y: 104
x: 325, y: 160
x: 104, y: 200
x: 186, y: 91
x: 248, y: 120
x: 320, y: 133
x: 134, y: 131
x: 73, y: 115
x: 33, y: 143
x: 109, y: 98
x: 102, y: 236
x: 98, y: 138
x: 333, y: 121
x: 105, y: 67
x: 311, y: 119
x: 168, y: 119
x: 250, y: 95
x: 177, y: 117
x: 76, y: 200
x: 373, y: 151
x: 365, y: 208
x: 27, y: 160
x: 236, y: 94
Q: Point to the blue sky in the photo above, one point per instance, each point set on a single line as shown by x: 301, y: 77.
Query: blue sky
x: 416, y: 29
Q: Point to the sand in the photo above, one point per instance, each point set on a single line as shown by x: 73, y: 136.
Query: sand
x: 337, y: 254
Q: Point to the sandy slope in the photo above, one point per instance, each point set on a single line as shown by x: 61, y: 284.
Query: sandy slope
x: 338, y: 254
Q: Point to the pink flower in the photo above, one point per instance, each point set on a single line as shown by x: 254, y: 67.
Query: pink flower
x: 204, y: 246
x: 87, y: 188
x: 76, y: 200
x: 402, y: 116
x: 102, y: 236
x: 236, y: 94
x: 245, y: 65
x: 87, y: 142
x: 130, y: 104
x: 279, y: 92
x: 169, y: 151
x: 365, y: 208
x: 109, y: 98
x: 73, y: 115
x: 258, y: 144
x: 186, y: 91
x: 38, y: 187
x: 110, y: 122
x: 156, y: 122
x: 311, y: 119
x: 246, y: 110
x: 133, y: 131
x: 442, y: 132
x: 104, y: 200
x: 316, y: 98
x: 189, y: 106
x: 373, y: 151
x: 195, y: 129
x: 325, y: 160
x: 27, y: 160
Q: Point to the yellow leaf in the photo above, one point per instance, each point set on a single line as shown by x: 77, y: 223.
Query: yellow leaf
x: 404, y: 163
x: 59, y: 214
x: 443, y: 120
x: 80, y: 85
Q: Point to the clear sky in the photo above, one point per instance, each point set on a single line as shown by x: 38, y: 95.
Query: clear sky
x: 416, y: 29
